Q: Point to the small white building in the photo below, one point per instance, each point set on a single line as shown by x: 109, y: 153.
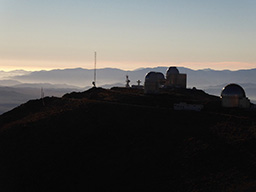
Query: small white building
x: 153, y: 82
x: 187, y: 107
x: 233, y: 95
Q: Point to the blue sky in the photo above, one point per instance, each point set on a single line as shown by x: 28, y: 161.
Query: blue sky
x: 45, y: 34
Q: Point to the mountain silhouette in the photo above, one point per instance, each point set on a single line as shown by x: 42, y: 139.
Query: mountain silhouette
x: 122, y: 140
x: 83, y: 77
x: 58, y: 82
x: 13, y: 96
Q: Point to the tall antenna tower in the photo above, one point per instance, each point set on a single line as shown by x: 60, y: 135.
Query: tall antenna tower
x: 95, y: 61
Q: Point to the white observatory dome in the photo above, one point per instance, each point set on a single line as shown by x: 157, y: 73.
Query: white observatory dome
x: 233, y: 95
x: 172, y: 71
x: 233, y: 90
x: 154, y: 76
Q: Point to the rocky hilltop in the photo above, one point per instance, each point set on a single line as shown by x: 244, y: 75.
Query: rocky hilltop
x: 122, y: 140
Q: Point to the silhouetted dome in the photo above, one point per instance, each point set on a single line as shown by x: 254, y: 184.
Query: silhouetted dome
x: 154, y: 76
x: 233, y: 90
x: 171, y: 71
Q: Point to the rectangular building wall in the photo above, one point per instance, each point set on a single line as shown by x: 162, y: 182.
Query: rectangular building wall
x: 182, y: 80
x: 177, y: 80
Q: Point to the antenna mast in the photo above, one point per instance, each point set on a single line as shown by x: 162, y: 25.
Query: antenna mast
x: 95, y: 61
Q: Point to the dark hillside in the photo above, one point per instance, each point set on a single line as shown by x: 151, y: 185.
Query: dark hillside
x: 123, y: 140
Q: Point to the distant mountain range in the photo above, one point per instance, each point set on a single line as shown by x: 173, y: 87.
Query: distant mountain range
x: 11, y: 97
x: 83, y: 77
x: 19, y: 86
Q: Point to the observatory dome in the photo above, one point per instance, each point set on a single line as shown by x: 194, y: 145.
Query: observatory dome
x: 153, y: 82
x: 154, y: 76
x: 172, y: 71
x: 233, y: 90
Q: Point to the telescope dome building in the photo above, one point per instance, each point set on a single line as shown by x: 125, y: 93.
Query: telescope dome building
x: 172, y: 71
x: 175, y: 79
x: 153, y: 82
x: 233, y: 95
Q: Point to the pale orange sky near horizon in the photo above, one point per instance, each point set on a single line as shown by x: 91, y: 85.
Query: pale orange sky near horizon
x: 198, y: 34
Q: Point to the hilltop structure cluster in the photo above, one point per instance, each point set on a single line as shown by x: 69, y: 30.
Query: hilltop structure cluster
x: 232, y: 95
x: 154, y: 81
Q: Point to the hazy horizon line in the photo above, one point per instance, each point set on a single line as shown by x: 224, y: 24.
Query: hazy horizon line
x: 135, y: 69
x: 47, y: 65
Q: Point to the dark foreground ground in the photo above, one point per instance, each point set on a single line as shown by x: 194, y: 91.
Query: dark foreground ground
x: 122, y: 140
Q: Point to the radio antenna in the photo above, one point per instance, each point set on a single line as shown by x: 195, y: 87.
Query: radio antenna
x: 95, y: 61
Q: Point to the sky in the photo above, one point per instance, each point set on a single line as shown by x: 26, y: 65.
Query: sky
x: 199, y: 34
